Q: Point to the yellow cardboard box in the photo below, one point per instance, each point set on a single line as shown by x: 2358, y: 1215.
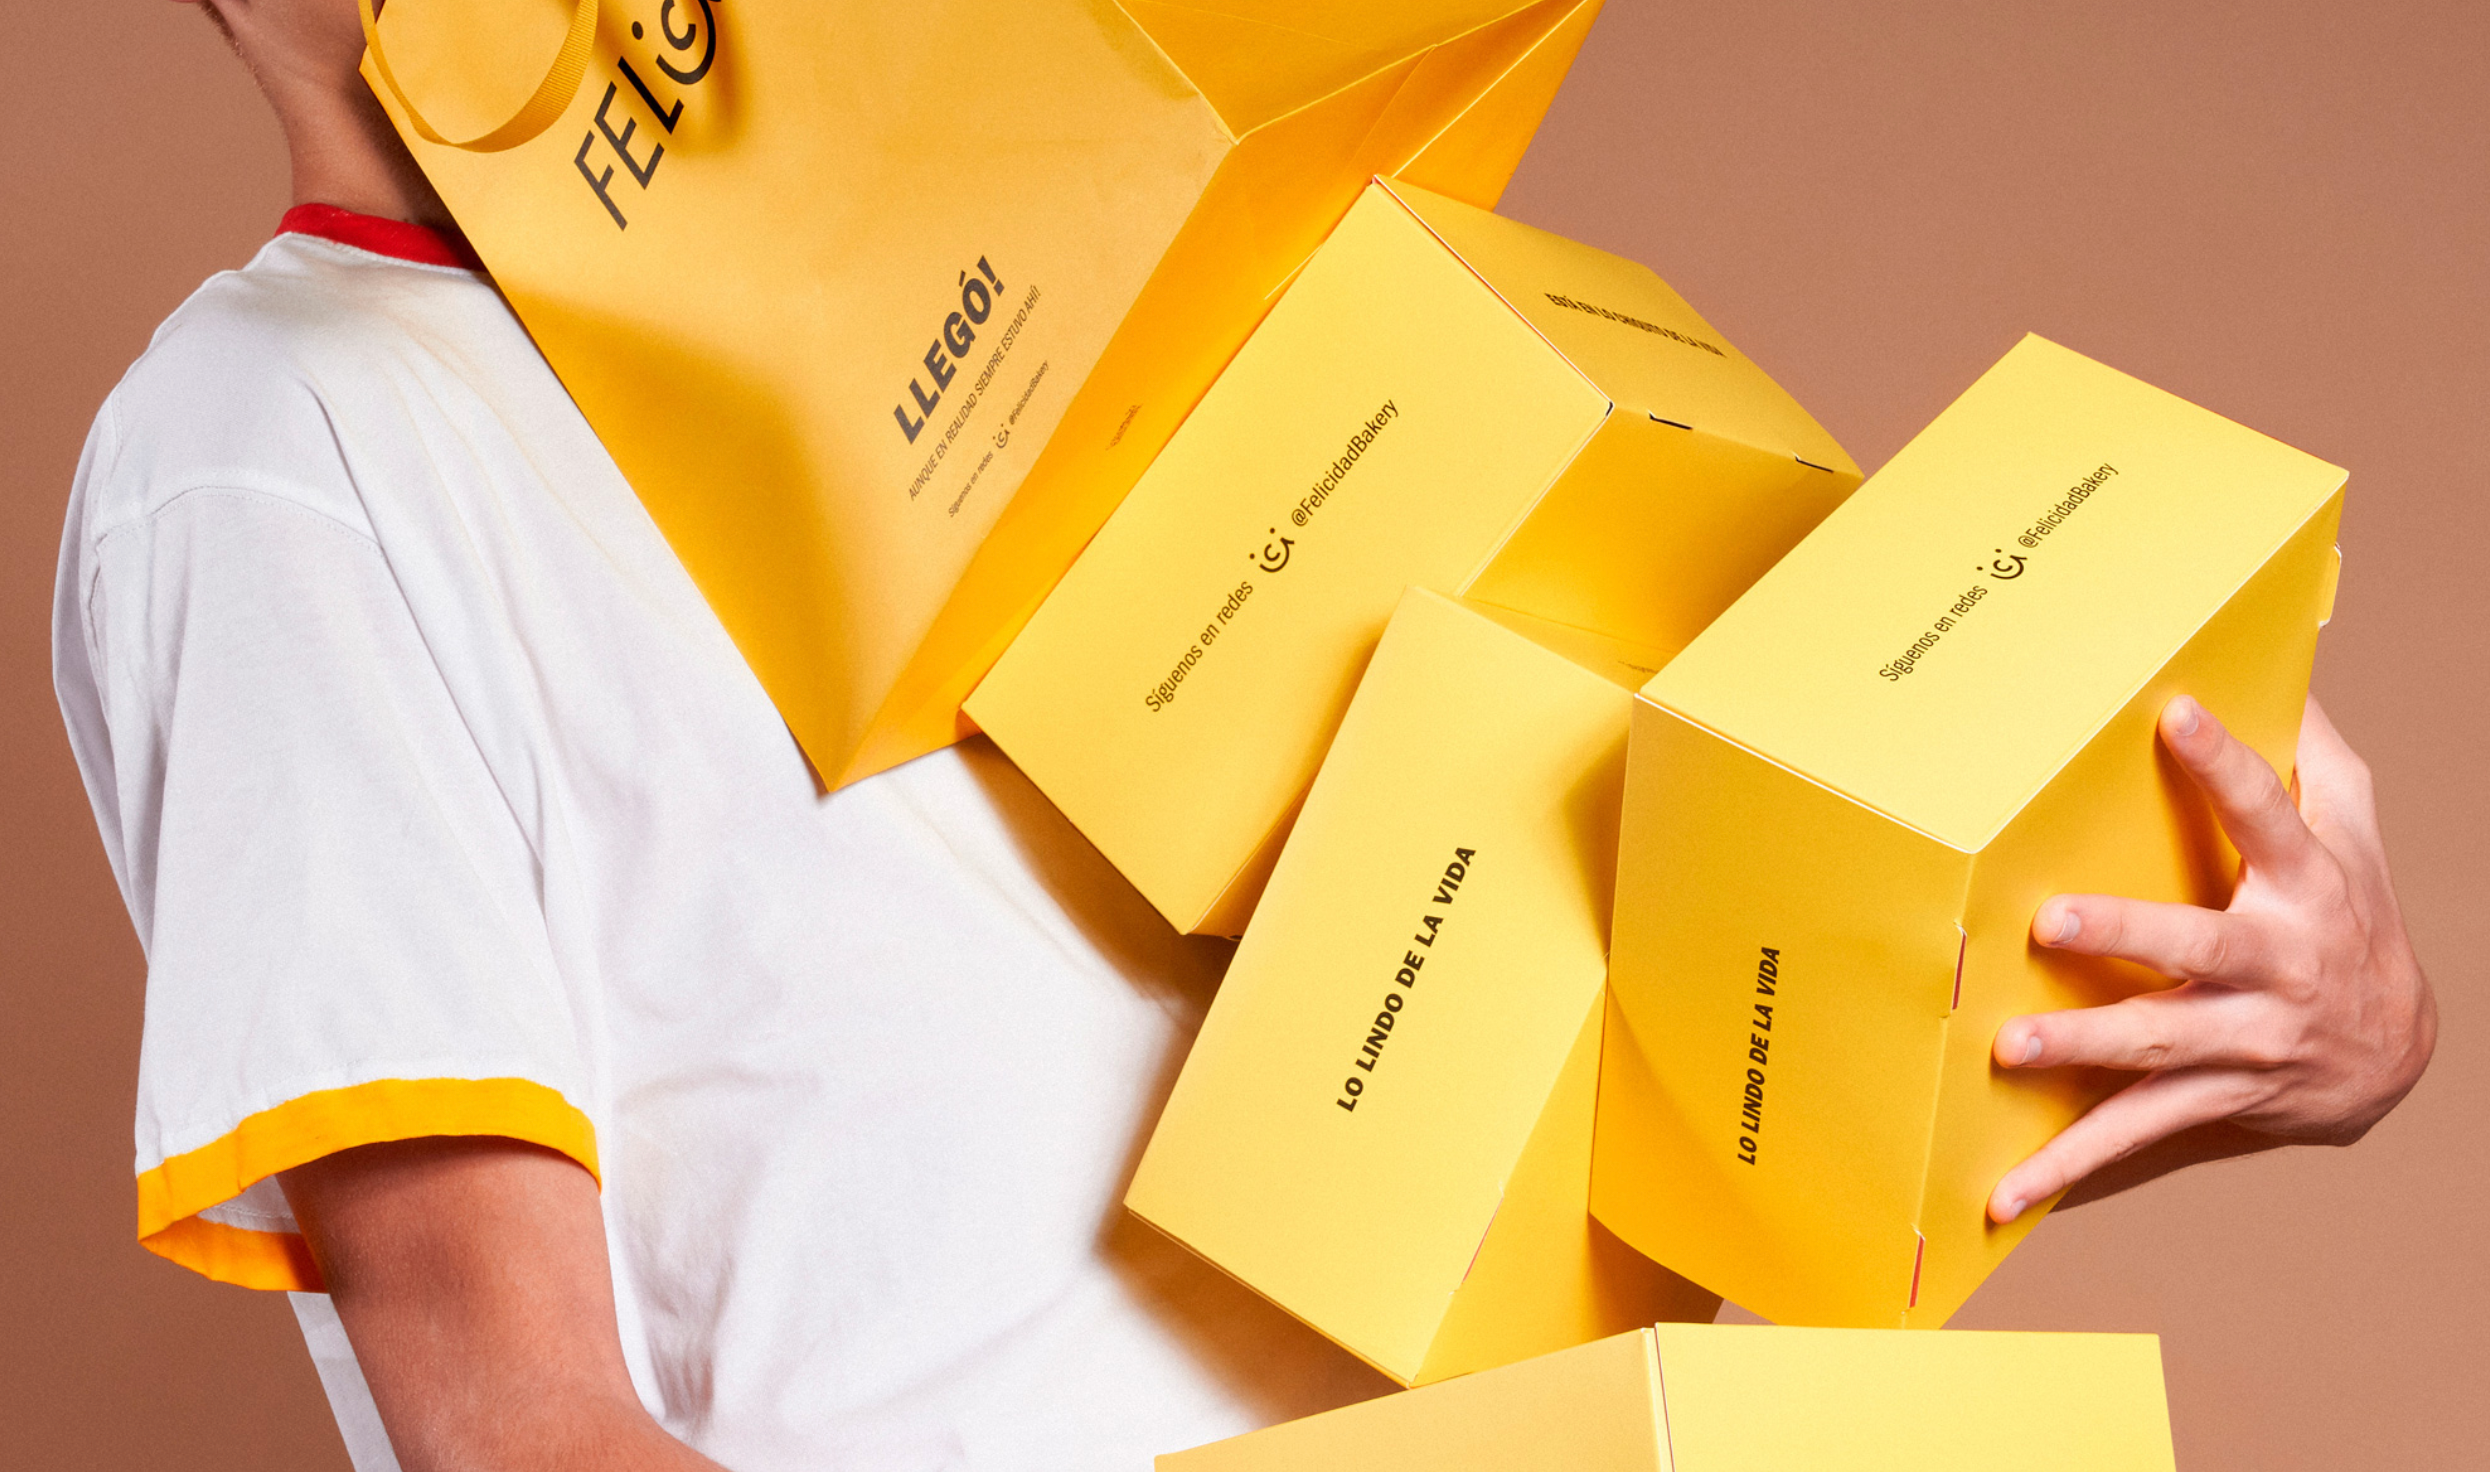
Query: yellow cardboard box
x: 882, y: 308
x: 1385, y: 1125
x: 1846, y: 799
x: 1443, y: 399
x: 1749, y: 1398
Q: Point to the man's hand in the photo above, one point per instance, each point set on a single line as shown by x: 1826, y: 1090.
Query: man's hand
x: 2301, y: 1011
x: 472, y: 1279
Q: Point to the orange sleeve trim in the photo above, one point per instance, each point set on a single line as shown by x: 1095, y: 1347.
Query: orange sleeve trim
x: 171, y: 1196
x: 276, y: 1261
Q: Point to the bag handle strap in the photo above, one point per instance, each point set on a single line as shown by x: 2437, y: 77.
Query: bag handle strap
x: 551, y: 98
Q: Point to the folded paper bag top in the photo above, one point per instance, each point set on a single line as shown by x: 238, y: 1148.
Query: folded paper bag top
x: 1751, y: 1398
x: 1385, y: 1123
x: 1846, y: 799
x: 1443, y: 399
x: 881, y: 309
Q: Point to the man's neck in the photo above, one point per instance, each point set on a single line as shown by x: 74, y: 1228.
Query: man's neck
x: 344, y: 152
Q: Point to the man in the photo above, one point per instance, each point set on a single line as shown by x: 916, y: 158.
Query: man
x: 630, y: 1105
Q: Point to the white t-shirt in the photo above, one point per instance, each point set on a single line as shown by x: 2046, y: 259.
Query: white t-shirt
x: 443, y: 805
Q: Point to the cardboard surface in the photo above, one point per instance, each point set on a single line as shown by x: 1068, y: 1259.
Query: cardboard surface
x: 882, y: 310
x: 1397, y: 421
x: 1742, y: 1398
x: 1847, y: 797
x: 1385, y: 1124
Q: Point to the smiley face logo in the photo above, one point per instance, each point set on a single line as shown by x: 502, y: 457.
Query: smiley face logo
x: 1274, y: 554
x: 693, y: 34
x: 2005, y: 569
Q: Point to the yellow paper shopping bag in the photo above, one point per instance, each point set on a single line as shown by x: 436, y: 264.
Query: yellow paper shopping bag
x: 1749, y: 1398
x: 1846, y: 799
x: 1444, y: 399
x: 882, y: 308
x: 1385, y: 1124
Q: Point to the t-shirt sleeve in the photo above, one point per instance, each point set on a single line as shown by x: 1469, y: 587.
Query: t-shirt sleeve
x: 342, y: 914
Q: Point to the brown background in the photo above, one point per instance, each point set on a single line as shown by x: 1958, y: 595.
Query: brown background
x: 2281, y: 211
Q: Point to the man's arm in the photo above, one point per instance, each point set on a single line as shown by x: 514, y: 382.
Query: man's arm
x: 472, y: 1279
x: 2301, y: 1012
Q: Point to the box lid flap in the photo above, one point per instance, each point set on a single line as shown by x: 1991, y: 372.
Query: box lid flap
x: 1950, y: 1402
x: 1949, y: 636
x: 1627, y: 331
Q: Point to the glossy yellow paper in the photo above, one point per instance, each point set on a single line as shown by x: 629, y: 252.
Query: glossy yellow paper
x: 1444, y: 399
x: 1747, y: 1398
x: 1848, y: 796
x: 1385, y: 1124
x: 882, y: 309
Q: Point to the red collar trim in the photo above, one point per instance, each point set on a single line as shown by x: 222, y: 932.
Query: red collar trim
x: 395, y: 239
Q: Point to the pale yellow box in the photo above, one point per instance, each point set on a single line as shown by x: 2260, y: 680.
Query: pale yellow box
x: 1385, y: 1124
x: 1748, y: 1398
x: 1444, y: 399
x: 1846, y: 799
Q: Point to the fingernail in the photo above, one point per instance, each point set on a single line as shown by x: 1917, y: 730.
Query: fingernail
x: 2069, y: 926
x: 2031, y: 1054
x: 2185, y: 715
x: 2014, y: 1209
